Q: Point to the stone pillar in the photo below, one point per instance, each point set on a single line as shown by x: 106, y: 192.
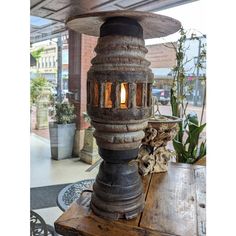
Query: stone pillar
x: 81, y: 51
x: 42, y: 110
x: 89, y: 153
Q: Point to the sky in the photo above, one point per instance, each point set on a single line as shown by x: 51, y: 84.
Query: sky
x: 190, y: 15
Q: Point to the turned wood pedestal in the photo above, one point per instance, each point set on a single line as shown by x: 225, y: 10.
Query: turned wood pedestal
x: 174, y: 206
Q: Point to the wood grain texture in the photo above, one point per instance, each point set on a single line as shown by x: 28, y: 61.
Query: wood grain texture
x: 171, y: 201
x: 175, y: 206
x: 79, y: 220
x: 146, y: 182
x: 154, y: 25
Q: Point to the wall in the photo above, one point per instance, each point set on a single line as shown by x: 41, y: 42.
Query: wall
x: 88, y: 44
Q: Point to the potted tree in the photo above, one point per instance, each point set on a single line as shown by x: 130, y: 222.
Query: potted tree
x: 184, y: 130
x: 62, y: 131
x: 188, y: 143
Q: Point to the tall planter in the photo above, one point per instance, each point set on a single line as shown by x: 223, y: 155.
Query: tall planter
x: 61, y: 139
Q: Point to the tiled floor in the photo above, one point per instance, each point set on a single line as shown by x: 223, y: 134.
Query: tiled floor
x: 45, y: 172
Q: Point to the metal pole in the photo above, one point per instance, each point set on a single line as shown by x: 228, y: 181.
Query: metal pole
x: 197, y: 78
x: 59, y: 69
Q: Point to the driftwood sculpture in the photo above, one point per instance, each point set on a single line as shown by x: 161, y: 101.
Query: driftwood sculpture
x: 153, y: 155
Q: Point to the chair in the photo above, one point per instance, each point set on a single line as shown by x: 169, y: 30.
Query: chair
x: 38, y: 227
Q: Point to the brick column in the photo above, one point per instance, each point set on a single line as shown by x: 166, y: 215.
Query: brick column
x: 81, y: 51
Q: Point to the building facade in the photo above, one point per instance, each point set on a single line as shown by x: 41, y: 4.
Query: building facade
x: 47, y: 63
x: 163, y: 60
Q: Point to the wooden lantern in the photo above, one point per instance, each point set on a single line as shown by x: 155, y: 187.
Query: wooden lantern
x: 119, y: 91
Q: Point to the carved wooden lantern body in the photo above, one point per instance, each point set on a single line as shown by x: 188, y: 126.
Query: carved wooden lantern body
x: 119, y: 104
x: 119, y: 97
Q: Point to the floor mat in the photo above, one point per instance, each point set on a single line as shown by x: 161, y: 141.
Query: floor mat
x: 44, y: 197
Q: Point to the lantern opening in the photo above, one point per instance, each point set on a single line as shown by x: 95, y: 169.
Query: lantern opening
x: 95, y: 94
x: 108, y: 100
x: 124, y: 95
x: 139, y: 94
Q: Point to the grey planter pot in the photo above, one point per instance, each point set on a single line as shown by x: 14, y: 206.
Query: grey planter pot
x: 61, y: 140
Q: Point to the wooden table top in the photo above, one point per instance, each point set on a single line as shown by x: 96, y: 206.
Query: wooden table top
x: 175, y: 204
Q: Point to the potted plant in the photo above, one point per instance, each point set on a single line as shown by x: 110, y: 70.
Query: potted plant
x: 187, y: 144
x: 189, y: 149
x: 62, y: 131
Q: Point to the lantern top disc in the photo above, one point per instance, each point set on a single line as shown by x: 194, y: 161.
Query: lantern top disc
x: 154, y: 25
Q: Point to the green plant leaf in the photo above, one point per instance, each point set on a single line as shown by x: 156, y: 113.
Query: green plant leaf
x: 195, y: 151
x: 202, y: 151
x: 179, y: 147
x: 65, y: 113
x: 180, y: 134
x: 36, y: 87
x: 37, y: 53
x: 191, y: 160
x: 192, y: 117
x: 174, y: 105
x: 193, y: 137
x: 182, y: 155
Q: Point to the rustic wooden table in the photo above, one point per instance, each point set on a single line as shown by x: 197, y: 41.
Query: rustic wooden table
x: 175, y: 205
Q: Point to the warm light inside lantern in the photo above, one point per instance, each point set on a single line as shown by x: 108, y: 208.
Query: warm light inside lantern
x: 122, y: 94
x: 108, y: 100
x: 139, y: 92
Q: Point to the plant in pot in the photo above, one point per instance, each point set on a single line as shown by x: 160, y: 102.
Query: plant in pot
x: 62, y: 131
x: 188, y: 145
x: 190, y: 149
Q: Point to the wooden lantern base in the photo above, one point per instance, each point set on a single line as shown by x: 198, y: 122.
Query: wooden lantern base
x: 118, y: 190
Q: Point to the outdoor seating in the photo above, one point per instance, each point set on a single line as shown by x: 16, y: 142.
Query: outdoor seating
x: 38, y: 227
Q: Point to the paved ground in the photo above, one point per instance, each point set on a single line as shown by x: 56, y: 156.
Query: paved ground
x: 42, y: 132
x: 45, y: 172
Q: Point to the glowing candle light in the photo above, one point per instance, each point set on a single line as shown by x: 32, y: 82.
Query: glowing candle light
x: 122, y: 94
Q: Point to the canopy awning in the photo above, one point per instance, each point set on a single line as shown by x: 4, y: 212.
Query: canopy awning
x: 48, y: 17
